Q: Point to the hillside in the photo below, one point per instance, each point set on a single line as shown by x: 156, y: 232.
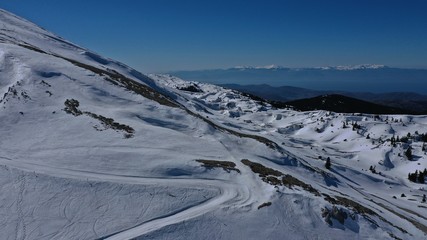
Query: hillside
x: 343, y: 104
x: 410, y: 101
x: 92, y: 149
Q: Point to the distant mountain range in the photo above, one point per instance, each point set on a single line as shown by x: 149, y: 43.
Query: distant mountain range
x: 361, y: 78
x: 342, y: 68
x: 411, y: 102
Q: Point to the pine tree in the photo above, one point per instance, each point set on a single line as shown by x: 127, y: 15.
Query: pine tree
x: 408, y: 153
x: 328, y: 163
x: 421, y: 177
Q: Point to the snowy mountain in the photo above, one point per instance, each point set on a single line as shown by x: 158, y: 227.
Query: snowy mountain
x: 270, y: 67
x: 339, y: 68
x: 92, y: 149
x: 354, y: 67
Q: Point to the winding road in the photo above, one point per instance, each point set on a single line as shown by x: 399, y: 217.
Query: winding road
x: 230, y: 194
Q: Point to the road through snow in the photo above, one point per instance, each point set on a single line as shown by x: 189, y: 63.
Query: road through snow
x: 230, y: 194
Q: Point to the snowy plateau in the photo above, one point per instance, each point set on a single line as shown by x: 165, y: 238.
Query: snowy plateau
x: 92, y: 149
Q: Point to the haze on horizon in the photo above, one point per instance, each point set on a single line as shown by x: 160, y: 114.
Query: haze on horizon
x: 159, y: 36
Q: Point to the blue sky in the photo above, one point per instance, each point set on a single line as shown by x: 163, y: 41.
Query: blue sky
x: 160, y: 35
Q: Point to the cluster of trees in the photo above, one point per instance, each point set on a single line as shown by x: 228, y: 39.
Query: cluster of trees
x: 395, y: 140
x: 423, y: 137
x: 408, y: 152
x: 344, y: 124
x: 373, y: 170
x: 405, y: 139
x: 354, y: 125
x: 393, y: 119
x: 418, y: 176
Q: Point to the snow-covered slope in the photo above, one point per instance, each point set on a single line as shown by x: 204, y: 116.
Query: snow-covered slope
x: 307, y: 139
x: 91, y: 148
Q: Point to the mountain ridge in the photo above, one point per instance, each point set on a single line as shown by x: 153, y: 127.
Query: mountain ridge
x: 342, y: 104
x: 339, y: 67
x: 413, y: 102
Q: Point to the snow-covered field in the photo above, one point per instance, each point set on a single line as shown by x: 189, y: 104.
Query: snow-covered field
x: 92, y: 149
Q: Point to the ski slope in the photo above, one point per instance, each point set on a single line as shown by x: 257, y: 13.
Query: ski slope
x: 92, y: 149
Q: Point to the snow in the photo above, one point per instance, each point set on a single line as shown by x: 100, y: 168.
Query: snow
x: 354, y: 67
x: 339, y: 68
x: 74, y: 177
x: 307, y: 135
x: 268, y: 67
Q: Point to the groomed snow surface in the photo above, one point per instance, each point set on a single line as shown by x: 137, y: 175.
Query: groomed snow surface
x: 78, y: 171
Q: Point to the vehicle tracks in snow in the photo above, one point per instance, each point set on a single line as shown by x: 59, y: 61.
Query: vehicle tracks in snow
x: 230, y: 195
x: 227, y: 194
x: 21, y: 229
